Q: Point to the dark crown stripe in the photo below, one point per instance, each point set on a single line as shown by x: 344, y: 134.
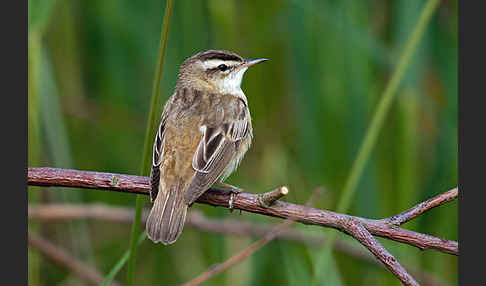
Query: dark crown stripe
x: 220, y: 55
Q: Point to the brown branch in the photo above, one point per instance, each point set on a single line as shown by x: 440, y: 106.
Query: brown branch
x: 267, y: 199
x: 358, y: 231
x: 66, y: 212
x: 240, y: 256
x: 245, y: 253
x: 61, y: 258
x: 244, y: 201
x: 419, y: 209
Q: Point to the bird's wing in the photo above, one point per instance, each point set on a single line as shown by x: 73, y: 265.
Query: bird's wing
x: 158, y: 151
x: 217, y: 148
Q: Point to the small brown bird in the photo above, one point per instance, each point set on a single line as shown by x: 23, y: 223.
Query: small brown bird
x: 204, y: 133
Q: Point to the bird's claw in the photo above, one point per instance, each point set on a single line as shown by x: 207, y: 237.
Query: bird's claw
x: 231, y: 200
x: 234, y: 191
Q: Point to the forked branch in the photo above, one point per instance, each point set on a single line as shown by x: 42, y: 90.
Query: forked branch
x: 385, y: 228
x: 361, y: 229
x: 358, y: 231
x: 46, y: 213
x: 245, y: 253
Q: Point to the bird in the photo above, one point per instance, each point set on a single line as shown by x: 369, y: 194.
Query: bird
x: 204, y: 133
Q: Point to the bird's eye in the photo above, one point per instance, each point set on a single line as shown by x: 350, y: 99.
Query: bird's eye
x: 222, y: 67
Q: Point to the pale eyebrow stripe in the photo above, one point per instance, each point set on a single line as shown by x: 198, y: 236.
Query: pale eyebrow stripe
x: 210, y: 64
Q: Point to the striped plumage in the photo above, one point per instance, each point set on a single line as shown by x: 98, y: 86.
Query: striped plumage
x: 204, y: 133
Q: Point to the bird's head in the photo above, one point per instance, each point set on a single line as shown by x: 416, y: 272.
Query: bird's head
x: 215, y: 70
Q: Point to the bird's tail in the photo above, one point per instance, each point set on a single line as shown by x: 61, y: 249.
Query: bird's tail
x: 168, y: 214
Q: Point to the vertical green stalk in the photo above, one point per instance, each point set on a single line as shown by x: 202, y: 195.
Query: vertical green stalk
x: 384, y: 105
x: 147, y: 156
x: 39, y: 16
x: 33, y: 145
x: 375, y: 127
x: 111, y: 275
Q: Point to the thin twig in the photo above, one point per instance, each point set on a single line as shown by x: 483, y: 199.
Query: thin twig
x: 65, y: 212
x: 238, y: 257
x: 244, y: 201
x: 419, y: 209
x: 267, y: 199
x: 245, y: 253
x: 63, y: 259
x: 358, y: 231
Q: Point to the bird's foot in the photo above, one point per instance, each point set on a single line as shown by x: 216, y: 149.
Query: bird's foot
x: 234, y: 192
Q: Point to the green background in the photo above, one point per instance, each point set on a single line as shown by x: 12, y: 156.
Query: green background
x: 91, y: 69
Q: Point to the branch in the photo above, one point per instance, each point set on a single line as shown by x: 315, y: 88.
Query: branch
x: 252, y: 248
x: 419, y: 209
x: 244, y: 201
x: 63, y: 259
x: 67, y: 212
x: 267, y: 199
x: 358, y: 231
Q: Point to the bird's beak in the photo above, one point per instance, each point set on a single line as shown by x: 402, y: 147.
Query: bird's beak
x: 251, y: 62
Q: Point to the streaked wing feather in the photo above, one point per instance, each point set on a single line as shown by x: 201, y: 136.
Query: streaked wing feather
x: 215, y: 151
x: 201, y: 181
x: 158, y: 150
x: 207, y: 150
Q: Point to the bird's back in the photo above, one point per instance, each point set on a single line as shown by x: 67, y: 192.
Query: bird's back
x: 179, y: 183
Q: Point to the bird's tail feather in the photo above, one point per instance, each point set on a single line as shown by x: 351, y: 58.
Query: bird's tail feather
x: 168, y: 214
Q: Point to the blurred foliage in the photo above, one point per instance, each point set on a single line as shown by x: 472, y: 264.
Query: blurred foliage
x: 91, y: 68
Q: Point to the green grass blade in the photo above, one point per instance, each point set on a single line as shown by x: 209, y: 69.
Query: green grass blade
x: 34, y: 145
x: 375, y: 127
x: 118, y: 266
x: 40, y: 14
x: 147, y: 156
x: 384, y: 105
